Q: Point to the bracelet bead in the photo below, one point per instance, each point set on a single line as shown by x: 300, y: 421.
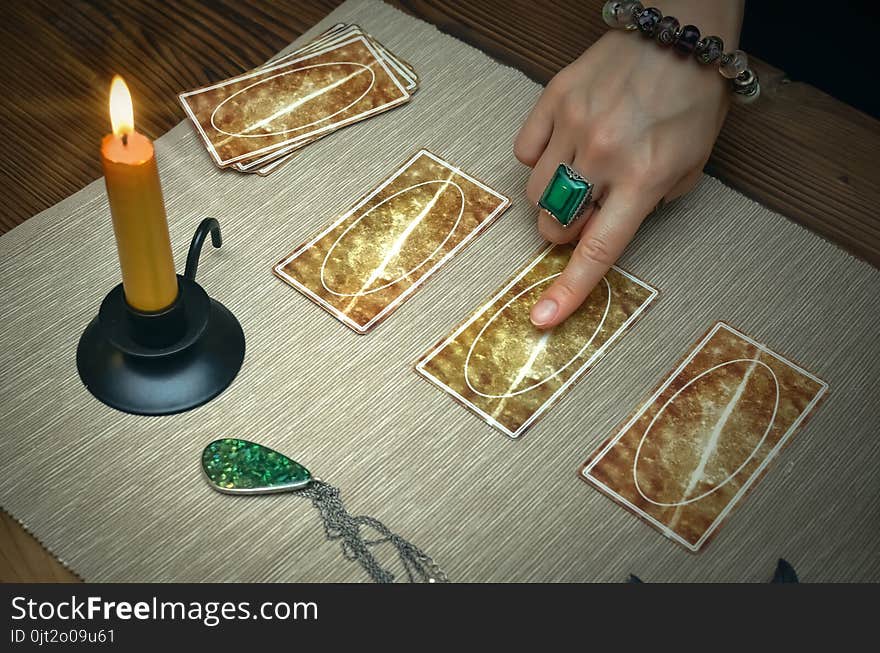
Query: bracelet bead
x: 687, y: 39
x: 631, y: 15
x: 620, y: 14
x: 746, y: 87
x: 709, y: 49
x: 666, y: 30
x: 647, y: 19
x: 733, y: 64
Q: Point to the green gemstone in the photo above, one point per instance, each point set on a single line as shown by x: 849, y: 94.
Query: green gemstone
x: 239, y: 466
x: 565, y: 195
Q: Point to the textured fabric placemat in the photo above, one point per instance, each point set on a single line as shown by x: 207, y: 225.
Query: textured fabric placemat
x: 119, y: 497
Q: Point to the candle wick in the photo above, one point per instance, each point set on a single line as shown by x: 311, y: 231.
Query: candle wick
x: 125, y: 139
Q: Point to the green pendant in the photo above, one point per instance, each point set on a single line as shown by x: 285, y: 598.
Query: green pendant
x: 241, y: 467
x: 566, y: 196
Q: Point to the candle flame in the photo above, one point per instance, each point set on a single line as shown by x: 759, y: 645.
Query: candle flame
x: 121, y: 111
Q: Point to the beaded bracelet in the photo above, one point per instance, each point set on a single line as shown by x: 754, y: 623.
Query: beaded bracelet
x: 631, y: 15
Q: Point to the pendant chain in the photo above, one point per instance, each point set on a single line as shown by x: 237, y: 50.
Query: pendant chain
x: 341, y: 525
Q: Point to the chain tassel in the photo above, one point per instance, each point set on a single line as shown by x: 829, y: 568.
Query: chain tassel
x: 342, y: 526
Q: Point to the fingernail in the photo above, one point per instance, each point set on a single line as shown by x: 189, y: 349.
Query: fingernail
x: 543, y: 312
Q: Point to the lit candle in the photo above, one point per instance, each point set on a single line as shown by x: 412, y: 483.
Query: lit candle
x: 138, y: 212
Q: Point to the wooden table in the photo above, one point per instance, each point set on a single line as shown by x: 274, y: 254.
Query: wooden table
x: 798, y: 150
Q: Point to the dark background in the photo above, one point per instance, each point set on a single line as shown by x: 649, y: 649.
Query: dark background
x: 831, y: 45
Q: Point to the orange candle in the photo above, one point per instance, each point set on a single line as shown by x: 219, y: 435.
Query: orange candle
x: 137, y: 208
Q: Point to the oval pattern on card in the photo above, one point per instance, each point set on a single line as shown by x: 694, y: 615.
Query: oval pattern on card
x: 325, y: 91
x: 509, y: 356
x: 700, y: 439
x: 393, y: 239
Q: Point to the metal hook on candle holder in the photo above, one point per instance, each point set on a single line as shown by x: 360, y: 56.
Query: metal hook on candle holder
x: 195, y: 247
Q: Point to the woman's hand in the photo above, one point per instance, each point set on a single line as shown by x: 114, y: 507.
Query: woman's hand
x: 639, y: 122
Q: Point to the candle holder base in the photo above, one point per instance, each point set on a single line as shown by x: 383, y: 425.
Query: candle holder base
x: 166, y: 362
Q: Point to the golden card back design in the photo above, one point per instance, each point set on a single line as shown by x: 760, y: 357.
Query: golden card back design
x: 380, y: 251
x: 267, y: 109
x: 686, y: 457
x: 509, y: 372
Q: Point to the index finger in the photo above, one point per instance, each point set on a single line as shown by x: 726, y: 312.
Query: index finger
x: 603, y: 240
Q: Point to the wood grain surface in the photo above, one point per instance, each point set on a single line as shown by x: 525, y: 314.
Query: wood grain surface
x: 798, y: 150
x: 24, y: 560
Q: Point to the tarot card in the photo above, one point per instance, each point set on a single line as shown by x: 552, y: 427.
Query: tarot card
x: 508, y: 371
x: 265, y: 110
x: 333, y: 36
x: 317, y: 43
x: 687, y: 456
x: 265, y: 164
x: 270, y: 167
x: 366, y: 263
x: 339, y: 32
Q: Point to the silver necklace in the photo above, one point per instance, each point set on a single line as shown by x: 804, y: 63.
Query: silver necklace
x: 235, y: 466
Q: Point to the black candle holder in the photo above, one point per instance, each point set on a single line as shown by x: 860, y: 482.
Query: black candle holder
x: 166, y: 362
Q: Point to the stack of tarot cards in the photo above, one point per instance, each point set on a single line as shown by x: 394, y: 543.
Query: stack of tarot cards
x: 257, y: 121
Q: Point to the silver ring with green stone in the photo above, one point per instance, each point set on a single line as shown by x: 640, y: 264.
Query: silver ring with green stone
x: 567, y: 195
